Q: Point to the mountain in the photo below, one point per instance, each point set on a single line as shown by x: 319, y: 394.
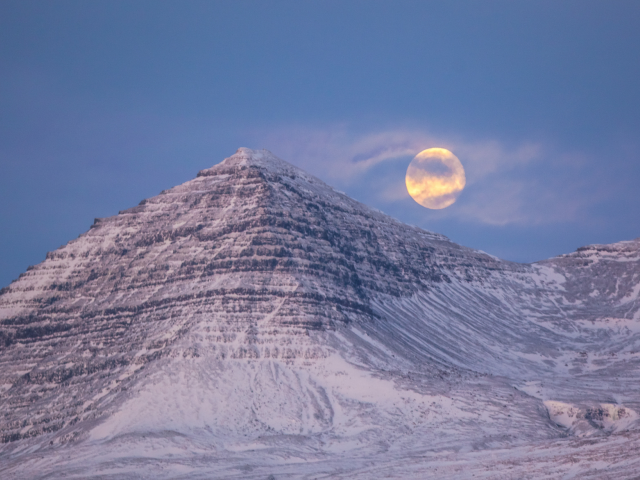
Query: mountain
x: 255, y: 322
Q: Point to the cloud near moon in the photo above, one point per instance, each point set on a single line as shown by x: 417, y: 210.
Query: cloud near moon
x: 435, y: 178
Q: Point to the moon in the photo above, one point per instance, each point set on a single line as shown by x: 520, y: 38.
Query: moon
x: 435, y: 178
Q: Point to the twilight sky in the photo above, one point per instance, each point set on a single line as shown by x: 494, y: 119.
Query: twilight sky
x: 104, y: 103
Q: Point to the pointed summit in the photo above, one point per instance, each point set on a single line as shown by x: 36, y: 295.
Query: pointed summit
x: 260, y: 159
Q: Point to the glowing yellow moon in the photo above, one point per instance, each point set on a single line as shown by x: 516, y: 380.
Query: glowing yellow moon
x: 435, y: 178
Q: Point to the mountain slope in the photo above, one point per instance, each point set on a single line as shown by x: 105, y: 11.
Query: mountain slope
x: 255, y: 309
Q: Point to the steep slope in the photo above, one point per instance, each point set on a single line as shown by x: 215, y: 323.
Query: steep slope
x: 256, y: 309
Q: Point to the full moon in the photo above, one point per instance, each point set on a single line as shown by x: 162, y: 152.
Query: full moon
x: 435, y: 178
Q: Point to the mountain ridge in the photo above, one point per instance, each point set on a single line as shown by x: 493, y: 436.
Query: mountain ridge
x: 262, y: 306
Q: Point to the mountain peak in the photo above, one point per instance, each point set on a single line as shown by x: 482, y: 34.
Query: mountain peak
x: 247, y: 156
x: 261, y: 159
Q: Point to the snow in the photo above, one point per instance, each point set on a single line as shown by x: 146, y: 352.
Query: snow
x: 255, y: 322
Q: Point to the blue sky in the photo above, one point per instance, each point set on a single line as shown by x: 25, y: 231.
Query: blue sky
x: 104, y: 103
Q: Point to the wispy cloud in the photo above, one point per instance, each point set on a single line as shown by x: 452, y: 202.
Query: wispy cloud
x: 506, y: 184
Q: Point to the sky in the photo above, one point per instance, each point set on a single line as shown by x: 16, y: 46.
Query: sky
x: 104, y: 103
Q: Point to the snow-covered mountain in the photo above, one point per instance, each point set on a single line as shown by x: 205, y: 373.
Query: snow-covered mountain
x: 254, y: 322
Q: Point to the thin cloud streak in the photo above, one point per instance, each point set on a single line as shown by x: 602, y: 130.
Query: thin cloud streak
x: 344, y: 156
x: 501, y: 189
